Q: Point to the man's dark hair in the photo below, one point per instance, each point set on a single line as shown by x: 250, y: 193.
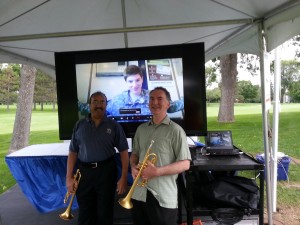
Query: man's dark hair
x: 167, y: 93
x: 132, y: 70
x: 98, y: 93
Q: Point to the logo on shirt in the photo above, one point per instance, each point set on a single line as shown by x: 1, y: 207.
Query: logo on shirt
x: 108, y: 131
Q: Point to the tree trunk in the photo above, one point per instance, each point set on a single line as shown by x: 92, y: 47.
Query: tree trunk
x: 20, y: 138
x: 229, y: 73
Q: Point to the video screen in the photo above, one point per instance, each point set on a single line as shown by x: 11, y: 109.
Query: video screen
x: 127, y: 84
x: 179, y: 68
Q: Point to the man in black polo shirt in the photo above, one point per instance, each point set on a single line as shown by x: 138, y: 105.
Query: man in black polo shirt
x: 93, y: 146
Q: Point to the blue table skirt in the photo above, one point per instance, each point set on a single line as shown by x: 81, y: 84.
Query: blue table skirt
x: 42, y: 179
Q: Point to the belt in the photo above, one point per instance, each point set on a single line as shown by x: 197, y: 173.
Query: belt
x: 94, y: 165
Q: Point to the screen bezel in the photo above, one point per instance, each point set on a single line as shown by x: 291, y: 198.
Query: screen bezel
x: 194, y: 122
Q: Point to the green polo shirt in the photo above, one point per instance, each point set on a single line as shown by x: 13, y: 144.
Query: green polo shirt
x: 170, y: 145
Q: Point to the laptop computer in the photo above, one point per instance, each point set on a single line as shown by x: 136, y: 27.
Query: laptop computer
x: 220, y: 143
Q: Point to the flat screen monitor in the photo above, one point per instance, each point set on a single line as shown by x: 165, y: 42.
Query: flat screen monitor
x: 178, y: 68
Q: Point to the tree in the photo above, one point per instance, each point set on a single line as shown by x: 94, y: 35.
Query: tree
x: 228, y: 69
x: 247, y: 92
x: 9, y: 84
x: 228, y: 65
x: 290, y: 72
x: 295, y: 41
x: 249, y: 62
x: 44, y: 90
x: 210, y: 75
x: 213, y: 95
x: 294, y: 92
x: 20, y: 137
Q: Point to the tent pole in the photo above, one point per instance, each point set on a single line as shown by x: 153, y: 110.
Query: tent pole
x: 127, y: 29
x: 265, y: 95
x: 124, y: 23
x: 276, y: 109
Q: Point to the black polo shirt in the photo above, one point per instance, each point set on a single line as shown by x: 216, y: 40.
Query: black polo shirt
x: 97, y: 143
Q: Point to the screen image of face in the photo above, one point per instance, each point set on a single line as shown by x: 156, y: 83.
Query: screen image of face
x: 127, y: 86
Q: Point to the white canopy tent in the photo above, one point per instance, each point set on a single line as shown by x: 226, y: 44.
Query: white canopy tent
x: 32, y: 30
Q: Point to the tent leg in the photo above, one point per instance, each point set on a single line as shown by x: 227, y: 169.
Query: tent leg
x: 277, y: 81
x: 266, y: 102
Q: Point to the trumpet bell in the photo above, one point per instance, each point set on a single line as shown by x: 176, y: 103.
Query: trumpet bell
x: 125, y: 203
x: 66, y: 215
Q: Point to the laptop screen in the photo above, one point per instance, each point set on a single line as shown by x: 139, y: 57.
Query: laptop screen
x: 219, y: 140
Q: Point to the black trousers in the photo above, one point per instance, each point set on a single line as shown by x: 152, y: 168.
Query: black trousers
x: 96, y: 194
x: 151, y: 213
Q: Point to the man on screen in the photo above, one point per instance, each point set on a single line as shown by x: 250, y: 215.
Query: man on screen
x: 135, y: 100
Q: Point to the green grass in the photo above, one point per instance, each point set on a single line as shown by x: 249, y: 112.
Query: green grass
x: 247, y: 133
x: 43, y: 129
x: 247, y: 130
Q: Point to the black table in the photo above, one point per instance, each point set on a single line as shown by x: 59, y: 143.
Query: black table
x: 240, y: 162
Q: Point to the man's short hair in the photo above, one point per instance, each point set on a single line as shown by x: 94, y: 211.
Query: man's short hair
x: 98, y: 93
x: 167, y: 93
x: 132, y: 70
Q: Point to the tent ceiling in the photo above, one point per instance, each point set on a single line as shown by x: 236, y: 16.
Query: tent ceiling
x: 32, y: 30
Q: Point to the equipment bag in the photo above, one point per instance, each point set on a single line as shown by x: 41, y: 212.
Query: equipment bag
x: 227, y: 191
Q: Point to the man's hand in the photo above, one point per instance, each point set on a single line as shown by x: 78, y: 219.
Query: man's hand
x: 149, y: 171
x: 122, y: 185
x: 71, y: 185
x: 134, y: 171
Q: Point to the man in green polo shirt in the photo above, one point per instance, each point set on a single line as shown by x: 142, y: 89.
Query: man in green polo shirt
x: 156, y: 203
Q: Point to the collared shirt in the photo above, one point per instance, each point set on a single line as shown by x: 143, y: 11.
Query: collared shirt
x: 124, y: 101
x: 170, y: 145
x: 97, y: 143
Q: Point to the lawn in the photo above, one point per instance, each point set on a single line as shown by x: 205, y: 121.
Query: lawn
x: 246, y: 131
x: 44, y: 129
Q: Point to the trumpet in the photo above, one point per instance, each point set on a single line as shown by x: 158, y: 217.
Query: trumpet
x: 67, y: 215
x: 126, y: 202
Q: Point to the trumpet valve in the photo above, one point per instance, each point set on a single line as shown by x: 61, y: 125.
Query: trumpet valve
x: 140, y: 165
x: 66, y: 197
x: 143, y: 184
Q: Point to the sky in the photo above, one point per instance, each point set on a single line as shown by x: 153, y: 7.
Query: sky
x: 286, y: 52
